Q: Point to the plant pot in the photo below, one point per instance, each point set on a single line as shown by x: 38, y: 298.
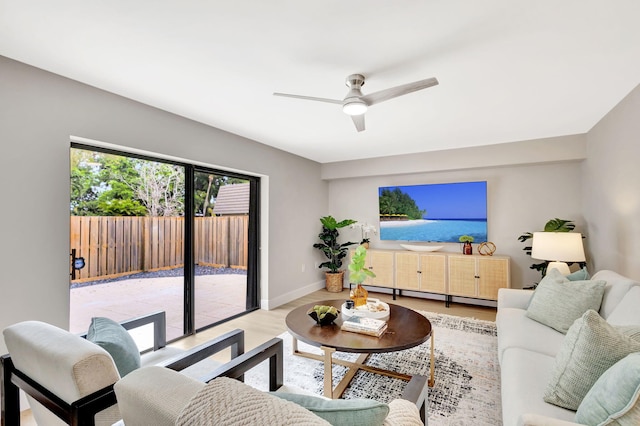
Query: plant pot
x: 334, y: 281
x: 467, y: 248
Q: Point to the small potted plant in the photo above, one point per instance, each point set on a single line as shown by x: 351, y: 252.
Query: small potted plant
x: 357, y: 274
x: 334, y: 251
x: 466, y: 241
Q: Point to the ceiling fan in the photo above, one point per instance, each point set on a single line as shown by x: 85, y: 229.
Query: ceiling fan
x: 355, y: 103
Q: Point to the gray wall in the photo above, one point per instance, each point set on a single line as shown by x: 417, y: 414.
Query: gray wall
x: 612, y: 188
x: 40, y: 111
x: 520, y: 198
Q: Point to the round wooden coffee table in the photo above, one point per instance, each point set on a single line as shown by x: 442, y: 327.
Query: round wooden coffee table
x: 406, y: 329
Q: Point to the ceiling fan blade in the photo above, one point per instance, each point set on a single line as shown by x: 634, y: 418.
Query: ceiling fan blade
x: 309, y: 98
x: 394, y: 92
x: 358, y: 120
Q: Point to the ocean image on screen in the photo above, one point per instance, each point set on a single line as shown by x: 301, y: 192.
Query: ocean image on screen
x: 434, y: 212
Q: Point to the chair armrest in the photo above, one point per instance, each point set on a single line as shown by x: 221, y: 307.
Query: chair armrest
x: 80, y: 412
x: 416, y: 392
x: 233, y: 339
x: 273, y: 350
x: 159, y: 321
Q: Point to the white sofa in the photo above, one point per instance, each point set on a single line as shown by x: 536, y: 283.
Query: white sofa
x: 527, y: 349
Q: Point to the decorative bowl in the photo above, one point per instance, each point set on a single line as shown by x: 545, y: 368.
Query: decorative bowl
x: 326, y: 320
x: 413, y: 247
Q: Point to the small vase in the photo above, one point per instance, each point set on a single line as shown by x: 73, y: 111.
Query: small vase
x: 467, y: 248
x: 359, y: 296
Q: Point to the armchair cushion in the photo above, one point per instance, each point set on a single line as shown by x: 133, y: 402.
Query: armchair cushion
x: 225, y: 401
x: 343, y: 412
x: 113, y: 337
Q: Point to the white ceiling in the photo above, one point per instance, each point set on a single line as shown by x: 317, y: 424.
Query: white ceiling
x: 509, y: 70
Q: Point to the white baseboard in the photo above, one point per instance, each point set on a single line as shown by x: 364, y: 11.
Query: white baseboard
x: 269, y: 304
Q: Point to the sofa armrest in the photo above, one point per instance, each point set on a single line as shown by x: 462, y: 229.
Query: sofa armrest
x: 514, y: 298
x: 530, y: 419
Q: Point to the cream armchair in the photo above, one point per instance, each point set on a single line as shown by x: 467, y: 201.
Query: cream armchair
x: 69, y: 380
x: 161, y: 397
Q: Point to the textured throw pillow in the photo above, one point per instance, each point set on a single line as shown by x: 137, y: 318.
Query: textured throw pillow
x: 615, y: 397
x: 341, y: 412
x: 579, y: 275
x: 117, y: 341
x: 590, y: 348
x: 558, y: 302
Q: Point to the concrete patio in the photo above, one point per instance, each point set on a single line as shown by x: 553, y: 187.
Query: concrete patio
x: 217, y: 297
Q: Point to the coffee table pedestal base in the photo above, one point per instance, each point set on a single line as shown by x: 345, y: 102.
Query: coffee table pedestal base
x: 359, y: 364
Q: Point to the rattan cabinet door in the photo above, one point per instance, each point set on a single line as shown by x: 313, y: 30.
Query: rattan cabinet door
x: 381, y: 263
x: 407, y: 271
x: 493, y: 273
x: 433, y: 273
x: 462, y: 275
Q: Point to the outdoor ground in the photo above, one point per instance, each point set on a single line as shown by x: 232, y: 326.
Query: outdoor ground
x: 219, y: 295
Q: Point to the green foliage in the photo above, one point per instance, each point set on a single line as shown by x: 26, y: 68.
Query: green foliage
x: 465, y: 239
x: 395, y: 202
x: 553, y: 225
x: 329, y: 245
x: 357, y: 271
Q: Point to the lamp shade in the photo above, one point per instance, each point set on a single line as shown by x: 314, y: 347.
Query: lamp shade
x: 558, y: 246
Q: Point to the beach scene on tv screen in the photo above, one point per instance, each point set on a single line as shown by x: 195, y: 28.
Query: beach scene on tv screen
x: 433, y: 212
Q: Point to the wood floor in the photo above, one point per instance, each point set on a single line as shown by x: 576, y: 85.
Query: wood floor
x: 261, y: 325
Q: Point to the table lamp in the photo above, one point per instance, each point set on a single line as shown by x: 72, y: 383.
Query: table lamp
x: 558, y: 248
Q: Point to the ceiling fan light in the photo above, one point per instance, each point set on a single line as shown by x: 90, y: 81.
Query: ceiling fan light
x: 356, y: 107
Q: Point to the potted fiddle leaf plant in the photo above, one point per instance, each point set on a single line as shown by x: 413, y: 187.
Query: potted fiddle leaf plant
x: 333, y: 250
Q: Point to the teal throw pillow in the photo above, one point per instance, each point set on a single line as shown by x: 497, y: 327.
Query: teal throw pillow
x: 590, y: 348
x: 579, y: 275
x: 558, y: 302
x: 615, y: 397
x: 342, y: 412
x: 117, y: 341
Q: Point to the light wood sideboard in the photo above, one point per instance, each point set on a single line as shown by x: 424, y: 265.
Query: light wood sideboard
x: 449, y: 274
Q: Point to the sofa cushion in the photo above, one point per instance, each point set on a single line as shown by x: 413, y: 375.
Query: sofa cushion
x: 524, y: 377
x: 627, y: 312
x: 343, y: 412
x: 615, y: 396
x: 515, y: 329
x: 590, y: 348
x: 615, y: 290
x: 113, y: 337
x: 558, y: 302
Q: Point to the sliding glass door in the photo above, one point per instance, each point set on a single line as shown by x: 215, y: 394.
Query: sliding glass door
x: 133, y: 251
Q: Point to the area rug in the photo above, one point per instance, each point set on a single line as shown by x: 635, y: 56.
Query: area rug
x: 467, y: 375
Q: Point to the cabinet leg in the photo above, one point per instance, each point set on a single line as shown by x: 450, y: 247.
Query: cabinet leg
x: 394, y: 294
x: 447, y: 300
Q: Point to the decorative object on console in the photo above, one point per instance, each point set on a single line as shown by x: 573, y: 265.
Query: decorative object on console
x: 413, y: 247
x: 333, y: 250
x: 466, y: 241
x: 365, y: 230
x: 487, y: 248
x: 357, y: 274
x: 558, y: 248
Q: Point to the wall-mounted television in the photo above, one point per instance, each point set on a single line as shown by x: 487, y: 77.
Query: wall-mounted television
x: 433, y: 212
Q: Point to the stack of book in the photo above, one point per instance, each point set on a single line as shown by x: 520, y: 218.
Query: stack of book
x: 364, y: 325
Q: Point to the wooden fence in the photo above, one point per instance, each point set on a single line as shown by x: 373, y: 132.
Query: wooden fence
x: 113, y: 246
